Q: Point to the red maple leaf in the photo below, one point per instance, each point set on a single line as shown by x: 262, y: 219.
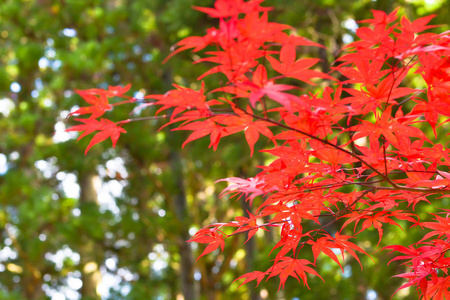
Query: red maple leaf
x: 388, y: 127
x: 106, y: 128
x: 297, y: 268
x: 298, y: 69
x: 258, y: 275
x: 244, y: 121
x: 438, y: 288
x: 99, y: 100
x: 324, y: 245
x: 260, y: 86
x: 211, y: 236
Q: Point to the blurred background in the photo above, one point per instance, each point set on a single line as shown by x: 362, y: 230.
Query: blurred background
x: 113, y: 224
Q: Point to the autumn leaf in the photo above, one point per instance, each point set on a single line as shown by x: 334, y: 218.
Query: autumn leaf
x: 244, y: 122
x: 106, y: 128
x: 324, y: 245
x: 255, y: 275
x: 210, y: 236
x: 98, y: 98
x: 297, y: 268
x: 298, y: 69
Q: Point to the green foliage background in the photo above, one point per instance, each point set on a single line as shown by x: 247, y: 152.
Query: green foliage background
x: 64, y: 228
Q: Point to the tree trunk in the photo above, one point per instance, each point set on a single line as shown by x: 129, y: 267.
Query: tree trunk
x: 90, y: 272
x: 180, y: 210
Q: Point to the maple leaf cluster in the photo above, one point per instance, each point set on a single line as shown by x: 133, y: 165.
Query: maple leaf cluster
x: 99, y: 100
x: 365, y: 130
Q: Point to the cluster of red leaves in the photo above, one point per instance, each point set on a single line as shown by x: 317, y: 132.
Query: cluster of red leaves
x: 99, y: 101
x: 365, y: 131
